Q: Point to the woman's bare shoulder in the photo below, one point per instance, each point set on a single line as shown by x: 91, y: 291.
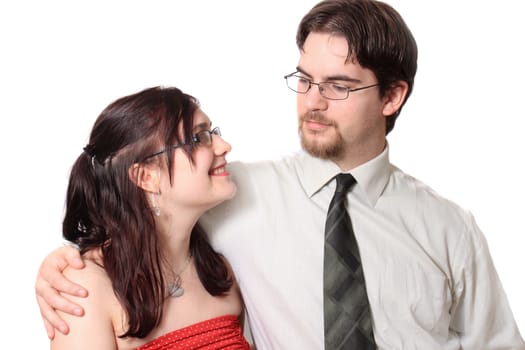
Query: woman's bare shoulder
x: 94, y: 278
x: 100, y: 310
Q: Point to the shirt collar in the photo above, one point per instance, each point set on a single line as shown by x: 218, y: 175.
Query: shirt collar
x: 372, y: 176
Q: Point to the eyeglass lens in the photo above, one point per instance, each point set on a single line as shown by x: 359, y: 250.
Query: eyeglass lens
x: 204, y: 137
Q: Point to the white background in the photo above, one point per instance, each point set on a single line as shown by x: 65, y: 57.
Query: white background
x: 62, y: 62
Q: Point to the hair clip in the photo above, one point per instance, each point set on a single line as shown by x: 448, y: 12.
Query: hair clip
x: 87, y: 151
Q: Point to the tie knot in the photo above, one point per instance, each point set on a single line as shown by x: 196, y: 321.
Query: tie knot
x: 344, y: 182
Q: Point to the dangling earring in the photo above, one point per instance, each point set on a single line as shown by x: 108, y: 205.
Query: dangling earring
x: 156, y: 210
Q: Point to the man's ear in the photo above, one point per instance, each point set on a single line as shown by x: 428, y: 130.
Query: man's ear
x: 395, y: 97
x: 145, y: 176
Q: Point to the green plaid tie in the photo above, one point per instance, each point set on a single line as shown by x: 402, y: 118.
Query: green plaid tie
x: 347, y: 316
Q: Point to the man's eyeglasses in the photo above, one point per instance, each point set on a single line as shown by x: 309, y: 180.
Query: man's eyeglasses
x: 202, y: 138
x: 329, y: 90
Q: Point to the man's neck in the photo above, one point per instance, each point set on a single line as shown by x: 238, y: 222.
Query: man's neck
x: 356, y: 157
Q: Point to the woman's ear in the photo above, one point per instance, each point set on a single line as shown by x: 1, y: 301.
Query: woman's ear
x: 395, y: 97
x: 145, y: 176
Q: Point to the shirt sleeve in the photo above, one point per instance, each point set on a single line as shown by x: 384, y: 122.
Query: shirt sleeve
x: 481, y: 314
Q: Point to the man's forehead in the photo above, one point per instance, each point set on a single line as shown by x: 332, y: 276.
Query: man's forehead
x: 325, y: 44
x: 325, y: 56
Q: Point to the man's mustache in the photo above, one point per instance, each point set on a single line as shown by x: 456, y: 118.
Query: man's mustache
x: 316, y: 117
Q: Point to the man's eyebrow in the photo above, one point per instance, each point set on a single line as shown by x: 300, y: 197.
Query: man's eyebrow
x: 340, y: 77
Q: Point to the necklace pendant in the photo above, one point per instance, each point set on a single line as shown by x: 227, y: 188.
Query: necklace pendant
x: 175, y: 291
x: 174, y: 288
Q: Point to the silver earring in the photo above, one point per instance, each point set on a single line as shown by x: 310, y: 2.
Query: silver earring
x: 154, y: 207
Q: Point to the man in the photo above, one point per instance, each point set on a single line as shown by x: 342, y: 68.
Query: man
x: 430, y: 280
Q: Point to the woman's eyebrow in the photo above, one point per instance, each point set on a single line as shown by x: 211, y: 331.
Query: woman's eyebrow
x: 203, y: 125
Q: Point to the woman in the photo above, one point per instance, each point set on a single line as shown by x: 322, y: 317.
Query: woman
x: 152, y: 167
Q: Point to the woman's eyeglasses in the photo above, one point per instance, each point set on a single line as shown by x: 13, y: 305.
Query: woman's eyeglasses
x: 202, y: 138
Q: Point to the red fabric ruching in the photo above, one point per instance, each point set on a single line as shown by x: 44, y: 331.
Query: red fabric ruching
x: 222, y: 332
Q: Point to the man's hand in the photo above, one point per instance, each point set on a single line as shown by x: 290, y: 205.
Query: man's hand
x: 51, y: 284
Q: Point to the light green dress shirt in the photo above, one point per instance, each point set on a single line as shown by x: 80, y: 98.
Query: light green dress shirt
x: 429, y: 274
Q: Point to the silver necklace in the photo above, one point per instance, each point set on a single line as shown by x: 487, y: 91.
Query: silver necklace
x: 175, y: 290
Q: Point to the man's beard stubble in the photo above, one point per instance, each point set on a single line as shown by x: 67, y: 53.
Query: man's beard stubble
x: 331, y: 149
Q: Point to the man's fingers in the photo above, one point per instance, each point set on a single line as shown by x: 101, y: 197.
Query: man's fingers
x: 51, y: 284
x: 50, y: 330
x: 51, y: 319
x: 50, y: 278
x: 51, y: 299
x: 72, y: 257
x: 58, y: 283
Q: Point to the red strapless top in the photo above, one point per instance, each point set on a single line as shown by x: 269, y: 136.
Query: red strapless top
x: 222, y: 332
